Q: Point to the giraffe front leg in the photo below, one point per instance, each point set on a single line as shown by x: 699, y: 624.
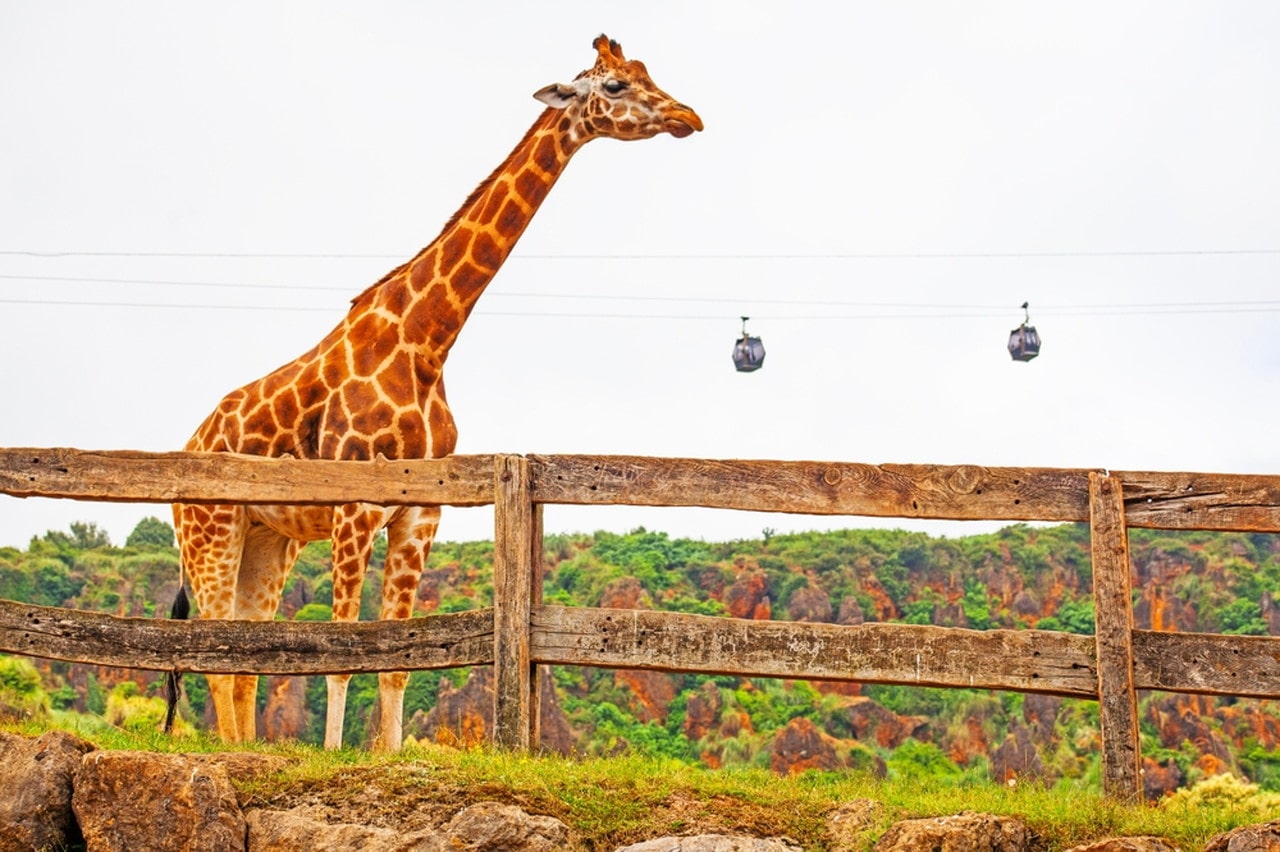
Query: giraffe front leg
x: 354, y: 526
x: 409, y: 538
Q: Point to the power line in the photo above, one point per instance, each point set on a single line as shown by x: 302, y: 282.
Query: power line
x: 673, y: 256
x: 999, y: 313
x: 1228, y: 306
x: 176, y: 283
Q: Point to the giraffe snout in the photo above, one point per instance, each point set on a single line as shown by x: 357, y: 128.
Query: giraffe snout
x: 682, y: 121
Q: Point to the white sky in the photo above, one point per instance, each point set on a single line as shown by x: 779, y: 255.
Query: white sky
x: 879, y: 186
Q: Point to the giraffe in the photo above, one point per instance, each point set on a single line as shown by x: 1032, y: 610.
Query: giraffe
x: 374, y: 386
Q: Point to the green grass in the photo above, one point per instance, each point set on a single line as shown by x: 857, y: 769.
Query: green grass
x: 611, y: 802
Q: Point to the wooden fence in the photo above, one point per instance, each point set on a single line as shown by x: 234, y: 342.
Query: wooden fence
x: 519, y: 633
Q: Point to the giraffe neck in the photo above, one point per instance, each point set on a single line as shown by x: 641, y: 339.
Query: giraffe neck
x: 433, y: 293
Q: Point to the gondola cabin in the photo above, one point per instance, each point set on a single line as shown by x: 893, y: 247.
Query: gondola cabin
x: 748, y: 351
x: 1024, y: 342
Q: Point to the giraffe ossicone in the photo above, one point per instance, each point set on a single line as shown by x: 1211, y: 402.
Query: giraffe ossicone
x: 373, y: 387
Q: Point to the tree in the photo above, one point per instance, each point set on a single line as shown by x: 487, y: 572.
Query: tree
x: 150, y: 532
x: 85, y: 535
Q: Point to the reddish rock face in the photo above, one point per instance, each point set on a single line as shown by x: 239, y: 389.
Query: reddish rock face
x: 625, y: 593
x: 1186, y: 718
x: 1160, y: 779
x: 850, y: 612
x: 810, y: 604
x: 464, y: 716
x: 800, y: 746
x: 1040, y: 712
x: 970, y: 742
x: 1017, y: 759
x: 1159, y: 607
x: 702, y: 712
x: 285, y: 715
x: 652, y: 693
x: 748, y: 597
x: 869, y: 721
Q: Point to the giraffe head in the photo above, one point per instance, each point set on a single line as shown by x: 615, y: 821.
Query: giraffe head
x: 617, y: 99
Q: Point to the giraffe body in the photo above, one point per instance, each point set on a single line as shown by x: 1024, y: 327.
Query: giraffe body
x: 374, y: 386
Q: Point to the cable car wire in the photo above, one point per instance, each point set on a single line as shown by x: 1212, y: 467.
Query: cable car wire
x: 988, y: 310
x: 992, y: 255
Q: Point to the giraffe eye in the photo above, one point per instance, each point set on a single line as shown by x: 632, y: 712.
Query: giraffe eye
x: 614, y: 87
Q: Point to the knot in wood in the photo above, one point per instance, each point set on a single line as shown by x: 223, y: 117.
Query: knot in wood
x: 965, y: 479
x: 832, y: 475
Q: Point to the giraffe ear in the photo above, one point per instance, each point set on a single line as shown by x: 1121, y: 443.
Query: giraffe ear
x: 558, y: 95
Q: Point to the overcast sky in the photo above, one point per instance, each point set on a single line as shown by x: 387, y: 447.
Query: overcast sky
x: 190, y: 195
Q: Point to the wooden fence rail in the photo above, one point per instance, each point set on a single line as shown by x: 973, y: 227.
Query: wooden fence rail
x: 519, y: 633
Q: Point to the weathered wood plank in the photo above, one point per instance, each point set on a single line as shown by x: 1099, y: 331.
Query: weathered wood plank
x: 1201, y: 501
x: 1239, y: 502
x: 957, y: 492
x: 135, y: 476
x: 513, y: 682
x: 247, y: 647
x: 1117, y: 697
x: 921, y: 655
x: 540, y: 675
x: 1246, y: 503
x: 1209, y: 663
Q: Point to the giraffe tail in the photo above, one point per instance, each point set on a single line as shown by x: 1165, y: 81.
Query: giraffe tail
x: 173, y: 679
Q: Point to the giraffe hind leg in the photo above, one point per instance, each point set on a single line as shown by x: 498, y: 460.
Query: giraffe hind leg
x: 335, y: 714
x: 267, y: 558
x: 211, y: 539
x: 391, y: 688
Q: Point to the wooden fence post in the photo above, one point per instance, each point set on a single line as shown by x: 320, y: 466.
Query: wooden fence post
x: 1113, y: 615
x: 516, y: 529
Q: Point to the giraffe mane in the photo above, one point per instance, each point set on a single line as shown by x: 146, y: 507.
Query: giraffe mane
x: 542, y: 123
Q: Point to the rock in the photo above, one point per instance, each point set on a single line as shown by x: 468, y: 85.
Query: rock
x: 1040, y: 712
x: 1249, y: 838
x: 846, y: 824
x: 294, y: 830
x: 702, y: 711
x: 35, y: 790
x: 966, y: 832
x: 850, y: 612
x: 625, y: 593
x: 800, y: 746
x: 870, y: 721
x: 748, y: 597
x: 492, y: 826
x: 711, y: 843
x: 652, y: 693
x: 1160, y: 779
x: 464, y: 716
x: 1127, y: 844
x: 1025, y: 605
x: 1017, y: 758
x: 810, y: 603
x: 285, y: 714
x: 483, y: 826
x: 137, y: 800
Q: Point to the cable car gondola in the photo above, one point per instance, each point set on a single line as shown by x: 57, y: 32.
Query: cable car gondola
x: 748, y: 351
x: 1024, y: 343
